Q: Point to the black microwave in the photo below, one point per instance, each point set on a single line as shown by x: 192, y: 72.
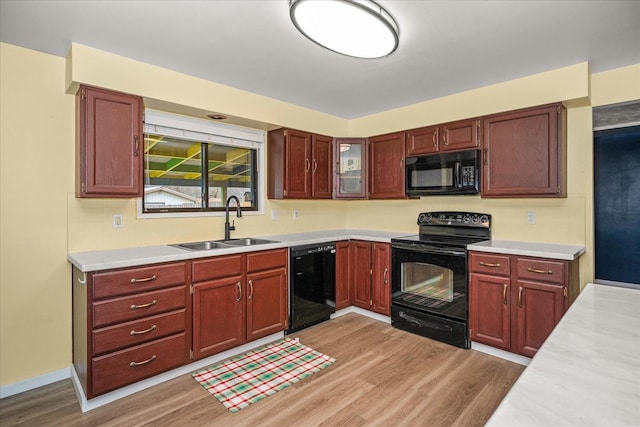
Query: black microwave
x: 446, y: 173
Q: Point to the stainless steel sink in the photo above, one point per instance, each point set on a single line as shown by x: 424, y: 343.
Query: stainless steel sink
x: 201, y: 246
x: 249, y: 241
x: 221, y: 244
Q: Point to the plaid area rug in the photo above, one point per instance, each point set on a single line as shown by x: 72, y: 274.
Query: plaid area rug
x: 252, y: 376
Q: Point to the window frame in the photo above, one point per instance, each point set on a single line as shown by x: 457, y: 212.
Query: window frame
x: 204, y: 131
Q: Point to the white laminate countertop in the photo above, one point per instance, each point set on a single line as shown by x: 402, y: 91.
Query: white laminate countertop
x: 130, y: 257
x: 542, y: 250
x: 587, y: 373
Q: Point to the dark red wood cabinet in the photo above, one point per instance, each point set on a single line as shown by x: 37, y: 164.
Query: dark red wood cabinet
x: 109, y: 143
x: 343, y: 293
x: 299, y: 165
x: 386, y: 166
x: 515, y: 302
x: 524, y: 153
x: 454, y: 136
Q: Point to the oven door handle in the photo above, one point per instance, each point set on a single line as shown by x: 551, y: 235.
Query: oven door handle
x: 424, y: 249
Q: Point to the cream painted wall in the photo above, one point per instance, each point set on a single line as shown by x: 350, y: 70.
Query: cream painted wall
x: 37, y: 136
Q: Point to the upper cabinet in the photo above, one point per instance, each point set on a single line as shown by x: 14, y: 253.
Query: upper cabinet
x: 454, y: 136
x: 386, y: 166
x: 351, y: 168
x: 299, y: 166
x: 109, y: 144
x: 524, y: 153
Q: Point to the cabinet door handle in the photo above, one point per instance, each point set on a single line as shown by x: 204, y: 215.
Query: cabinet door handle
x: 504, y: 294
x: 146, y: 331
x: 486, y: 151
x: 488, y: 264
x: 520, y: 296
x: 137, y: 145
x: 533, y: 270
x: 146, y: 279
x: 384, y: 276
x: 315, y: 166
x: 308, y: 165
x: 239, y: 285
x: 444, y: 138
x: 135, y: 307
x: 402, y: 164
x: 144, y: 362
x: 434, y: 139
x: 250, y: 289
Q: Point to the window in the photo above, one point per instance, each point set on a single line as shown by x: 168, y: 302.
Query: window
x: 193, y: 165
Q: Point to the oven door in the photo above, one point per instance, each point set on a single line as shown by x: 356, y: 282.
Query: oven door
x: 429, y: 279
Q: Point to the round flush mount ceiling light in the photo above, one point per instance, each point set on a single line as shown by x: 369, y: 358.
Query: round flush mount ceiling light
x: 358, y: 28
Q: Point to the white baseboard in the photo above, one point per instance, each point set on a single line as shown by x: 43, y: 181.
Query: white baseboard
x: 516, y: 358
x: 35, y: 382
x: 371, y: 314
x: 87, y: 405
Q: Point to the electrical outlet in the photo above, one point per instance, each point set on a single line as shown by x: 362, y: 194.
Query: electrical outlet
x: 296, y: 214
x: 274, y: 214
x: 117, y: 221
x: 531, y: 218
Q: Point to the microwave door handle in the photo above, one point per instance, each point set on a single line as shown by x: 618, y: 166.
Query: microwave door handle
x: 457, y: 179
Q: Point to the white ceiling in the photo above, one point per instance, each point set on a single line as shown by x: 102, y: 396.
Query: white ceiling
x: 445, y: 46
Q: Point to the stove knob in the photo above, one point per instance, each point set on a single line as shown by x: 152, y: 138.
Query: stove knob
x: 422, y: 218
x: 428, y: 218
x: 474, y: 219
x: 484, y: 219
x: 466, y: 218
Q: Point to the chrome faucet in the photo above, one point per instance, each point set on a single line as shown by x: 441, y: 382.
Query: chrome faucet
x: 230, y: 227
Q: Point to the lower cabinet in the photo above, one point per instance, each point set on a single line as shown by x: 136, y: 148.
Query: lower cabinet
x: 363, y: 275
x: 237, y: 299
x: 515, y: 302
x: 133, y: 323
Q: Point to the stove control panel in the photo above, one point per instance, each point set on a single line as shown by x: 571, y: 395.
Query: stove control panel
x: 464, y: 219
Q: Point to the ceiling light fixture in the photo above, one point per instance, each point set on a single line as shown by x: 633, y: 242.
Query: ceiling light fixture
x: 359, y: 28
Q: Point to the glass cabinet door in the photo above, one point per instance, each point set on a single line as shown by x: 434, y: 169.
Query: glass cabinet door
x: 351, y: 163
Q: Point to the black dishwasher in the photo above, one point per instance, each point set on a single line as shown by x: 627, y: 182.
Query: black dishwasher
x: 312, y: 290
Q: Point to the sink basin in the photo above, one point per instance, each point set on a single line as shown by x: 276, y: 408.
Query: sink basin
x: 221, y: 244
x: 201, y: 246
x: 249, y: 241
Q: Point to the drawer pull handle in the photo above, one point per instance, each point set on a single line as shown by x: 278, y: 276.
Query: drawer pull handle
x: 135, y: 307
x: 533, y: 270
x: 146, y: 279
x: 250, y: 289
x: 144, y: 362
x: 504, y: 294
x: 520, y: 296
x: 488, y: 264
x: 146, y: 331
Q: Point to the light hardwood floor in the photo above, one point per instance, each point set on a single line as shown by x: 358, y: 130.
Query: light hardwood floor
x: 382, y: 377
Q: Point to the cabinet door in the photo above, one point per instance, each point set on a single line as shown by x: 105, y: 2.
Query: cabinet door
x: 422, y: 141
x: 266, y: 303
x: 523, y: 154
x: 321, y: 167
x: 461, y: 135
x: 109, y: 145
x: 351, y: 167
x: 380, y: 279
x: 538, y: 310
x: 360, y: 273
x: 297, y: 165
x: 343, y: 297
x: 489, y: 316
x: 386, y: 166
x: 218, y: 316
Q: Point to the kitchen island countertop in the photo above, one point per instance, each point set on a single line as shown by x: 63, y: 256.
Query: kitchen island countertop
x: 534, y: 249
x: 587, y: 373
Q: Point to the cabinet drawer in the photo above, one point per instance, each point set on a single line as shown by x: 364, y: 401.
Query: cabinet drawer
x: 124, y: 367
x: 137, y: 306
x: 138, y: 331
x: 541, y: 270
x: 264, y: 260
x: 132, y: 280
x: 489, y: 264
x: 215, y: 268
